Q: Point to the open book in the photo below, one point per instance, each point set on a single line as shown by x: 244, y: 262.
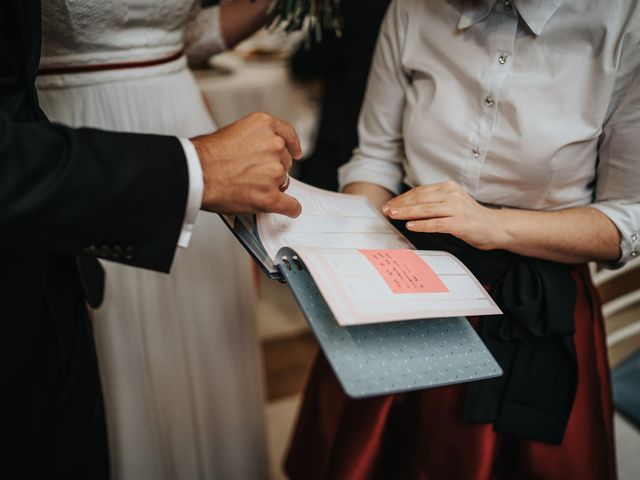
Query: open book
x: 365, y: 269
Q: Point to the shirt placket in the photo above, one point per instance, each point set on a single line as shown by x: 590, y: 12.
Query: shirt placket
x: 500, y: 47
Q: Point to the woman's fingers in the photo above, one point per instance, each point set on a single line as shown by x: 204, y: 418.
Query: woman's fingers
x: 405, y: 200
x: 419, y: 212
x: 445, y: 208
x: 432, y: 193
x: 433, y: 225
x: 416, y: 196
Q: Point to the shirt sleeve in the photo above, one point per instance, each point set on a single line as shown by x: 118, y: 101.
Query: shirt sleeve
x: 618, y: 175
x: 380, y: 154
x: 196, y: 189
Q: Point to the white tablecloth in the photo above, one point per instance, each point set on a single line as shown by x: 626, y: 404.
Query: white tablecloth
x: 261, y: 86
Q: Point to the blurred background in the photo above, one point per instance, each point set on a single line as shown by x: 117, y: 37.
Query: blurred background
x: 318, y: 88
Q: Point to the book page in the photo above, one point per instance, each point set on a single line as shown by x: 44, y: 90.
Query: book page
x: 328, y: 220
x: 363, y: 286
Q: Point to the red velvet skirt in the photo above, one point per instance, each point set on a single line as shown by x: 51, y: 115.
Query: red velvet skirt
x: 422, y: 435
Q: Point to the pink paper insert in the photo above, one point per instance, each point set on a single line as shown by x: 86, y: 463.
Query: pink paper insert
x: 404, y: 271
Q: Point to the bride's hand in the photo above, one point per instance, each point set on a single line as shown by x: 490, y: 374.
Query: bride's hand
x: 448, y: 208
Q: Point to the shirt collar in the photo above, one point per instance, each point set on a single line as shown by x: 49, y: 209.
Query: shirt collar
x: 474, y: 12
x: 535, y: 13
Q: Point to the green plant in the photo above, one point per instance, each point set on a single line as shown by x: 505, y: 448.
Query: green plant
x: 312, y: 16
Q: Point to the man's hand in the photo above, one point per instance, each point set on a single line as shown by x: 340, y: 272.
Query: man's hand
x: 245, y: 164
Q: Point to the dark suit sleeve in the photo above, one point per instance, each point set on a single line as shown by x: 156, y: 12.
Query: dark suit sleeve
x: 117, y: 196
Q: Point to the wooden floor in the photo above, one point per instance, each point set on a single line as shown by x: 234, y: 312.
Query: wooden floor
x: 286, y: 363
x: 622, y: 350
x: 288, y: 348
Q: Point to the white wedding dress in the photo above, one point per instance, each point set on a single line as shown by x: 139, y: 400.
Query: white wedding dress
x: 178, y: 353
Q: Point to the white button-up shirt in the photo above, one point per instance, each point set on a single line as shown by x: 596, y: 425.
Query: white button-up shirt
x: 531, y: 104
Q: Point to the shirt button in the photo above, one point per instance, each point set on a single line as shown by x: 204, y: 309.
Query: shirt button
x: 489, y: 101
x: 634, y: 253
x: 508, y: 6
x: 475, y: 152
x: 502, y: 59
x: 634, y: 237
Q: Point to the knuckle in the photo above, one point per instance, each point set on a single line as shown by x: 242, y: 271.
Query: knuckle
x: 279, y: 144
x: 270, y: 166
x: 261, y: 117
x: 277, y: 171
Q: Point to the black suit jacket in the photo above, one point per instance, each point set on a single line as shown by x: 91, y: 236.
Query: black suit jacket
x: 68, y: 196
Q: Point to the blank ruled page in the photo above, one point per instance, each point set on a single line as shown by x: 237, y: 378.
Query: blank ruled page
x: 328, y: 220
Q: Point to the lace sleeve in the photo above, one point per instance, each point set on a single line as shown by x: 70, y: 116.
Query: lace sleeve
x: 203, y: 36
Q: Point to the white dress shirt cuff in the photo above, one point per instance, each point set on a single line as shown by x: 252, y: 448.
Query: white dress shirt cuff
x: 626, y: 218
x: 196, y: 188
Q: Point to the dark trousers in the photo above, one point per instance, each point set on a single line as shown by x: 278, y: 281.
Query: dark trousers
x: 51, y: 413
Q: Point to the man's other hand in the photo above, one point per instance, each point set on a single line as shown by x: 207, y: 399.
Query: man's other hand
x: 245, y: 164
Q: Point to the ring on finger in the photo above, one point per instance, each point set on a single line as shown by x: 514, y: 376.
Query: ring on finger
x: 285, y: 184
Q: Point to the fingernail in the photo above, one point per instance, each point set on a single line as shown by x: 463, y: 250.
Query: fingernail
x: 394, y: 212
x: 385, y: 209
x: 411, y: 225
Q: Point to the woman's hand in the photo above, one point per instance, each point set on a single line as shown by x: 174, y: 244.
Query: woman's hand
x: 447, y: 208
